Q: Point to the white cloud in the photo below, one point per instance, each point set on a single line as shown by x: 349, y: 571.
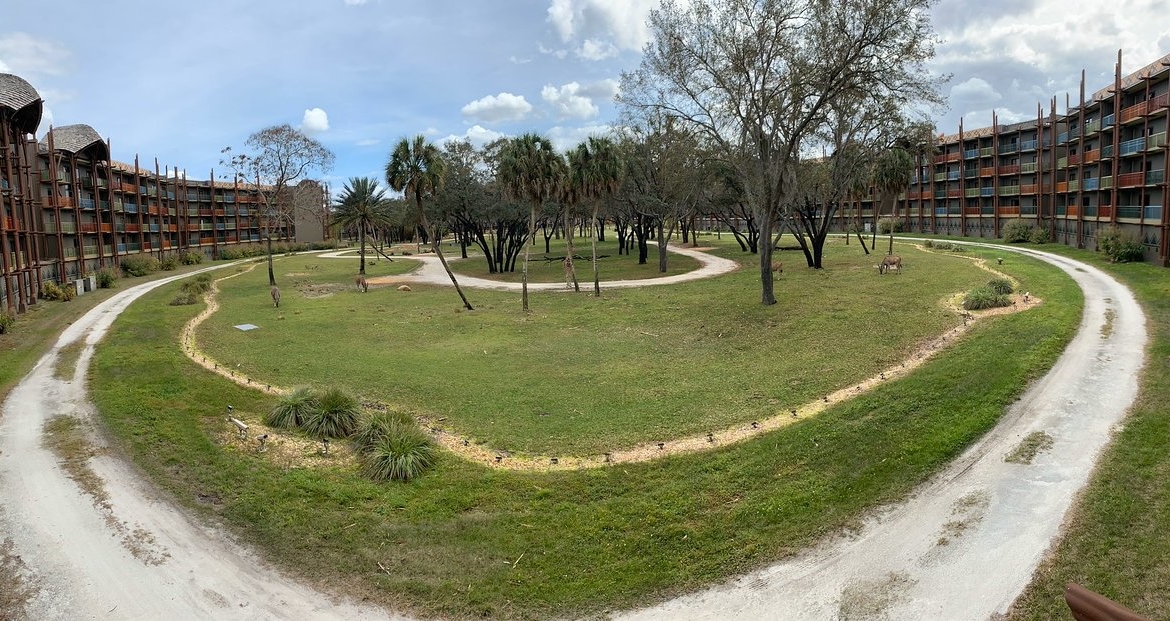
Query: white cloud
x: 23, y: 54
x: 476, y: 135
x: 568, y: 102
x: 604, y: 27
x: 565, y: 138
x: 355, y: 2
x: 605, y: 89
x: 46, y: 122
x: 314, y: 121
x: 975, y: 90
x: 593, y: 49
x: 498, y: 108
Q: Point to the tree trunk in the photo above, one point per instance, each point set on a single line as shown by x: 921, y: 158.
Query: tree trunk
x: 596, y: 279
x: 362, y: 252
x: 528, y: 241
x: 571, y: 267
x: 271, y: 273
x: 862, y: 240
x: 436, y: 243
x: 767, y: 294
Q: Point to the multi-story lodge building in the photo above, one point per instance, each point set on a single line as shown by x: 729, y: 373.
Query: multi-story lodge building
x: 1103, y: 162
x: 67, y: 210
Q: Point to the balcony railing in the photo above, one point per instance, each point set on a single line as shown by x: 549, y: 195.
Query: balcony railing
x: 1155, y: 177
x: 1062, y: 162
x: 1129, y: 211
x: 1028, y: 168
x: 1131, y: 180
x: 1106, y: 151
x: 952, y: 175
x: 1090, y: 184
x: 131, y: 207
x: 89, y: 227
x: 970, y: 154
x: 1157, y: 141
x: 986, y: 152
x: 970, y: 173
x: 942, y: 176
x: 1107, y: 121
x: 987, y: 191
x: 1074, y: 185
x: 1028, y: 189
x: 972, y: 192
x: 1028, y: 145
x: 1133, y: 112
x: 1153, y: 212
x: 1130, y: 147
x: 1092, y: 156
x: 1010, y: 147
x: 1092, y: 127
x: 988, y: 171
x: 1107, y: 182
x: 132, y: 228
x: 1009, y: 190
x: 1104, y: 212
x: 1014, y: 169
x: 88, y: 204
x: 1010, y: 210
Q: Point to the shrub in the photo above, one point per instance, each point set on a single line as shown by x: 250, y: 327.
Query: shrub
x: 371, y: 429
x: 335, y: 416
x: 1016, y: 231
x: 106, y: 277
x: 980, y: 298
x: 52, y: 291
x: 943, y: 245
x: 1001, y: 286
x: 403, y: 454
x: 7, y: 321
x: 293, y: 409
x: 139, y: 265
x: 886, y: 224
x: 1040, y: 235
x: 928, y: 244
x: 1120, y: 247
x: 191, y: 258
x: 169, y: 263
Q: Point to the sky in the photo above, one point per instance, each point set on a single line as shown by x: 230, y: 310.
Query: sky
x: 181, y: 80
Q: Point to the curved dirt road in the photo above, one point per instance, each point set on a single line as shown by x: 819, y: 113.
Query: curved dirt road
x: 135, y: 556
x: 968, y: 542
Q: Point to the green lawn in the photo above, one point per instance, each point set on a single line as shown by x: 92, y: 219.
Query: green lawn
x: 467, y: 541
x: 583, y: 375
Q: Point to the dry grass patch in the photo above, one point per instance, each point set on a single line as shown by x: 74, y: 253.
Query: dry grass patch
x: 1032, y: 445
x: 67, y: 360
x: 18, y: 588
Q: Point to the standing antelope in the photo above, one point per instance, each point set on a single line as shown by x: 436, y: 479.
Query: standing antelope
x: 361, y: 283
x: 777, y: 268
x: 891, y: 262
x: 276, y: 297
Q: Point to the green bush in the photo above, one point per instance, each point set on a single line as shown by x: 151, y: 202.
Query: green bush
x: 192, y: 290
x: 169, y: 263
x: 191, y: 258
x: 1016, y: 231
x: 106, y: 277
x: 942, y: 245
x: 371, y: 429
x: 1040, y: 235
x: 293, y: 409
x: 980, y: 298
x: 1120, y: 247
x: 7, y: 321
x: 184, y: 298
x: 1001, y: 286
x: 335, y: 416
x: 928, y: 244
x: 52, y: 291
x: 139, y: 265
x: 403, y: 454
x: 886, y: 224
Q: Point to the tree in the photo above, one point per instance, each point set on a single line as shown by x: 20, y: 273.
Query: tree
x: 891, y: 176
x: 362, y: 206
x: 416, y: 169
x: 595, y: 171
x: 276, y: 159
x: 755, y: 77
x: 530, y: 170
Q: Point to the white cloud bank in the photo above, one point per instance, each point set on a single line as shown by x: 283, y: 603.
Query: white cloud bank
x: 498, y: 108
x: 24, y: 54
x: 601, y: 28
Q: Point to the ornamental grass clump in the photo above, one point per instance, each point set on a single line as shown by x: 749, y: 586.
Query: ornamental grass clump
x: 1001, y: 286
x: 404, y: 453
x: 376, y: 426
x: 985, y: 297
x: 293, y: 409
x: 335, y: 416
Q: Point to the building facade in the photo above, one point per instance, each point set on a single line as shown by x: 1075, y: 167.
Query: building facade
x: 1101, y: 163
x: 68, y: 210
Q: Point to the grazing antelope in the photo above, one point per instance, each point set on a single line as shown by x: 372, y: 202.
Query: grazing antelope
x: 276, y: 297
x: 892, y: 262
x: 777, y: 268
x: 361, y: 283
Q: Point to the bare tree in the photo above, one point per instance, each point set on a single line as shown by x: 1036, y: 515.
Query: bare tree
x: 756, y: 77
x: 276, y: 158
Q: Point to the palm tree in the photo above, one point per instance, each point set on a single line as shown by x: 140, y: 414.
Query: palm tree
x: 891, y: 175
x: 362, y: 205
x: 595, y: 170
x: 416, y: 168
x: 531, y: 170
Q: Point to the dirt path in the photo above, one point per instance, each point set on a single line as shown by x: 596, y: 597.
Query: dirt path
x: 968, y: 542
x: 119, y: 550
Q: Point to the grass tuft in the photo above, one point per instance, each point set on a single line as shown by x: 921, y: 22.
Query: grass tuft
x: 981, y: 298
x: 372, y: 428
x: 335, y: 416
x: 404, y: 453
x: 293, y: 409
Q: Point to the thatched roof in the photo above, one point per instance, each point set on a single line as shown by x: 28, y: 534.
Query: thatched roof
x: 23, y: 100
x: 78, y: 139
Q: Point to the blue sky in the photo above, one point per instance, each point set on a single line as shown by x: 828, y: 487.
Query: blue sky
x: 180, y: 80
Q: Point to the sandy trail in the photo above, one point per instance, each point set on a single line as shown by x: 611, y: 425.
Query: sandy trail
x: 966, y: 544
x: 137, y: 557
